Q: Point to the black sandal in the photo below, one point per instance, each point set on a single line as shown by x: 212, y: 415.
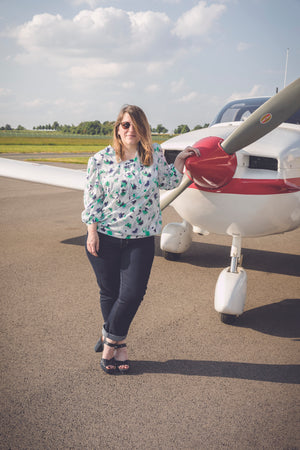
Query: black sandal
x: 104, y: 363
x: 121, y: 363
x: 99, y: 346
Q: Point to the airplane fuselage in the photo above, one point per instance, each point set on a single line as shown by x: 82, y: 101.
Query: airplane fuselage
x: 263, y: 196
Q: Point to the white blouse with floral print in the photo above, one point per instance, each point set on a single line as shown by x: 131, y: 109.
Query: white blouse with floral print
x: 123, y: 197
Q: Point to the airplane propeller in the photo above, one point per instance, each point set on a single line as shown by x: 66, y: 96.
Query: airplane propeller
x: 267, y: 117
x: 169, y: 196
x: 217, y: 161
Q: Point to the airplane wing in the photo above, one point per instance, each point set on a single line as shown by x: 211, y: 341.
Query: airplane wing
x: 42, y: 173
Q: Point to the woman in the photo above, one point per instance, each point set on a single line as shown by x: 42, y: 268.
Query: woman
x: 123, y: 215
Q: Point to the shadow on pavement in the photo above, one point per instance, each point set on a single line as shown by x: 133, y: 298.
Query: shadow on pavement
x: 273, y: 373
x: 213, y: 255
x: 280, y: 319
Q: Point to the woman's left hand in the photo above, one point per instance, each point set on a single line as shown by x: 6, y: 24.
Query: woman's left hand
x: 182, y: 156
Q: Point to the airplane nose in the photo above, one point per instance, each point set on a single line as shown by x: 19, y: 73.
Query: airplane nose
x: 214, y: 168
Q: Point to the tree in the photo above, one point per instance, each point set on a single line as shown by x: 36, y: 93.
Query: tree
x: 55, y: 126
x: 199, y: 127
x: 161, y: 129
x: 182, y: 129
x: 107, y: 127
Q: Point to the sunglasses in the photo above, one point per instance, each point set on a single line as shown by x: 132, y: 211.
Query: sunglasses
x: 126, y: 125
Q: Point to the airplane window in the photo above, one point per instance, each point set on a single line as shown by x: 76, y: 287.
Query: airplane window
x: 229, y: 115
x: 239, y: 110
x: 245, y: 115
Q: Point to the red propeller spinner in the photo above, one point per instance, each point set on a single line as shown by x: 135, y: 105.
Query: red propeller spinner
x: 214, y: 168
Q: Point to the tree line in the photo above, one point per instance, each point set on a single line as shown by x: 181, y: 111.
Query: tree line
x: 95, y: 127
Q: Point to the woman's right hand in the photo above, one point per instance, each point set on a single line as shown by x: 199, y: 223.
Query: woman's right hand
x: 92, y: 240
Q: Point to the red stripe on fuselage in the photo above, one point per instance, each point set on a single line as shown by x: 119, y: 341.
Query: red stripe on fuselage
x: 255, y: 187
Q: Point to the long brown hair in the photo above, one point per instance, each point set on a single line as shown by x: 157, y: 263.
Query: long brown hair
x: 142, y: 127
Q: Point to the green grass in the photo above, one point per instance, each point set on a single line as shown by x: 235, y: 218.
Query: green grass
x: 50, y: 148
x: 75, y: 160
x: 40, y: 140
x: 53, y: 137
x: 56, y: 143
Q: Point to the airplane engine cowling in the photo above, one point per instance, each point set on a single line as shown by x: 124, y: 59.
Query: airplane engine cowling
x: 214, y: 168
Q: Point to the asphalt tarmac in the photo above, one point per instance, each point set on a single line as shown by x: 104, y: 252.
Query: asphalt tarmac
x: 195, y: 383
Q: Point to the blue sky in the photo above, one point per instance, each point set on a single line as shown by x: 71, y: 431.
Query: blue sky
x: 180, y: 60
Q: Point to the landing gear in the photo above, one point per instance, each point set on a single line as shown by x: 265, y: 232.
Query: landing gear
x: 169, y: 256
x: 176, y: 239
x: 231, y: 287
x: 229, y: 319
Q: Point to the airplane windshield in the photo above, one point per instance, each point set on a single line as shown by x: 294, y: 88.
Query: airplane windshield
x: 239, y: 110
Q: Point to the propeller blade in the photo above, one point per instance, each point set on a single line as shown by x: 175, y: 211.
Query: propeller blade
x: 267, y: 117
x: 169, y: 196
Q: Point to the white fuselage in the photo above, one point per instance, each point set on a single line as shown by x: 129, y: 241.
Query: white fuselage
x: 258, y: 201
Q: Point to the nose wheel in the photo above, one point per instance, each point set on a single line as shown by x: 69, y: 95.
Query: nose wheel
x: 229, y: 319
x: 231, y: 287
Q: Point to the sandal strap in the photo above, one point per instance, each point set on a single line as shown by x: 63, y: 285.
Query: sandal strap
x: 122, y: 363
x: 110, y: 344
x: 120, y: 346
x: 108, y: 362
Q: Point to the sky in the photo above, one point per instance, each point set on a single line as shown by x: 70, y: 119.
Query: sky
x: 179, y: 60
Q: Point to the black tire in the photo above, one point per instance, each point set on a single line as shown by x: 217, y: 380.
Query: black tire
x: 172, y: 256
x: 229, y: 319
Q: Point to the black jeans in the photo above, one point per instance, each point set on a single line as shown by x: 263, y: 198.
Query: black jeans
x: 122, y: 269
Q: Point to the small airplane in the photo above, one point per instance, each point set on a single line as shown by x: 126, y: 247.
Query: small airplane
x: 237, y: 191
x: 228, y: 189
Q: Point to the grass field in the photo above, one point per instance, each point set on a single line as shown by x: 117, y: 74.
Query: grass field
x: 50, y: 148
x: 52, y: 143
x: 60, y: 159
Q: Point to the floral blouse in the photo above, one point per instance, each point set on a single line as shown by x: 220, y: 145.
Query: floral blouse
x: 123, y: 197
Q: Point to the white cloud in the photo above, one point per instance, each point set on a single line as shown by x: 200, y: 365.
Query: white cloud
x: 157, y: 67
x: 177, y: 86
x: 242, y: 46
x: 108, y: 33
x: 92, y: 3
x: 94, y: 43
x: 188, y: 97
x: 128, y: 85
x: 5, y: 92
x: 95, y: 70
x: 254, y: 92
x: 153, y: 88
x: 110, y: 53
x: 199, y: 20
x: 40, y: 102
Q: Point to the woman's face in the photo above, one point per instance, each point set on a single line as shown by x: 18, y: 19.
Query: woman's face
x: 129, y: 136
